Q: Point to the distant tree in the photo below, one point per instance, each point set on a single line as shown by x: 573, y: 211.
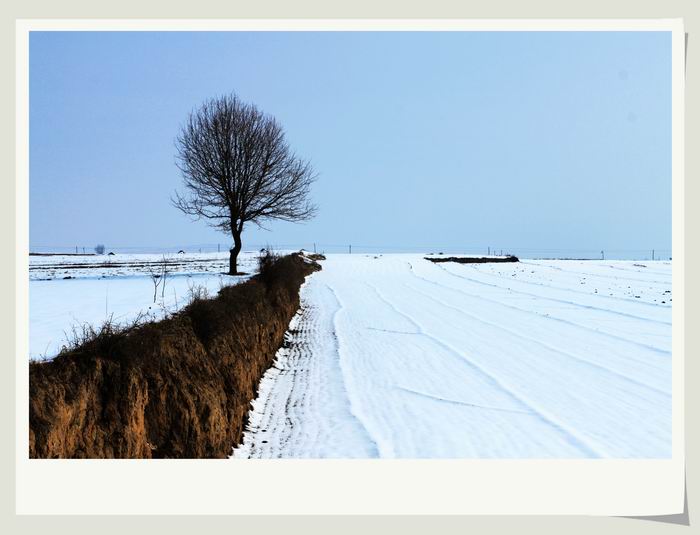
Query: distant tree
x: 156, y: 275
x: 238, y: 168
x: 158, y: 272
x: 100, y: 249
x: 165, y: 268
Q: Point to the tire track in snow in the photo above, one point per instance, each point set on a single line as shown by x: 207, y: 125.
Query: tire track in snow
x: 564, y: 301
x: 569, y: 434
x: 269, y: 419
x: 565, y: 289
x: 651, y: 271
x: 345, y: 375
x: 302, y: 408
x: 546, y: 316
x: 548, y: 347
x: 558, y: 268
x: 459, y: 402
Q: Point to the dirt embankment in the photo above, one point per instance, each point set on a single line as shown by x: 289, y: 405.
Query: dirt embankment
x: 474, y: 260
x: 180, y: 387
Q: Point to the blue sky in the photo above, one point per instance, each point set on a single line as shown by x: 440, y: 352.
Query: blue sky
x: 551, y: 140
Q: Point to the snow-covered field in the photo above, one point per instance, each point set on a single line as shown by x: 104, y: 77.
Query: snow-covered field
x: 67, y: 291
x: 395, y: 356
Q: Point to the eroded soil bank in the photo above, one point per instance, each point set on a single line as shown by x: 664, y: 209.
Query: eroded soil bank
x: 180, y: 387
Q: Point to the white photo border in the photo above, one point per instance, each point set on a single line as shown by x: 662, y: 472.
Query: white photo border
x: 623, y: 487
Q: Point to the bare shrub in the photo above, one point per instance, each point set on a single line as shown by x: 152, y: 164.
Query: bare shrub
x: 86, y: 337
x: 156, y: 278
x: 266, y: 263
x: 166, y: 269
x: 196, y: 292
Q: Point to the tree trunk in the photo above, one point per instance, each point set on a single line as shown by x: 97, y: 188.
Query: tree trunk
x: 233, y: 255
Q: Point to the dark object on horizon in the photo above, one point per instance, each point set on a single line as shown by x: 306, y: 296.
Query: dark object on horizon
x: 100, y: 249
x: 181, y: 252
x: 238, y: 168
x: 110, y: 253
x: 474, y: 260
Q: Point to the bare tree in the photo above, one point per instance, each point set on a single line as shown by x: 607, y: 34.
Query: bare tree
x: 165, y: 270
x: 238, y: 168
x: 100, y: 249
x: 156, y: 274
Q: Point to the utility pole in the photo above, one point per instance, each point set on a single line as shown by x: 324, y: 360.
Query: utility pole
x: 76, y: 249
x: 350, y: 249
x: 218, y: 247
x: 314, y: 248
x: 489, y: 253
x: 602, y: 255
x: 652, y: 254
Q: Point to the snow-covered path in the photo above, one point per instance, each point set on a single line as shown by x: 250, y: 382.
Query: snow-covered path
x: 395, y: 356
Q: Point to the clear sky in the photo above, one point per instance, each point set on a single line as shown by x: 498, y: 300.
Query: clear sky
x: 551, y: 140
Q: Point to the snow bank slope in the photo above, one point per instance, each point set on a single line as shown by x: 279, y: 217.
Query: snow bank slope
x: 394, y: 356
